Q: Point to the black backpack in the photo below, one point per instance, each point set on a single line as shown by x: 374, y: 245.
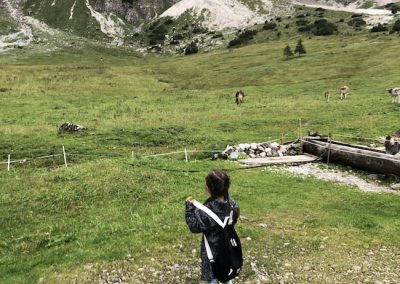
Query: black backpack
x: 228, y: 260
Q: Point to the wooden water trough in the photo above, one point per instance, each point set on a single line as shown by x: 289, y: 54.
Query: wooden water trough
x: 360, y: 157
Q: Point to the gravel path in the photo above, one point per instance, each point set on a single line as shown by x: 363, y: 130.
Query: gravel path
x: 336, y: 176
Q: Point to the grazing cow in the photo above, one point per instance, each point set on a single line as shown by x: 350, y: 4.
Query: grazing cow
x: 239, y: 97
x: 395, y: 94
x: 327, y: 95
x: 13, y: 77
x: 392, y: 143
x: 344, y: 91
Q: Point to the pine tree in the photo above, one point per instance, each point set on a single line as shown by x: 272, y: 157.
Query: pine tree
x: 287, y: 52
x: 300, y: 48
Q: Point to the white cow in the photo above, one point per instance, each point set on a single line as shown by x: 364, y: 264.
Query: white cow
x: 344, y: 91
x: 395, y: 94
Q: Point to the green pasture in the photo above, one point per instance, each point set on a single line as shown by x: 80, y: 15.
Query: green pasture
x: 110, y: 212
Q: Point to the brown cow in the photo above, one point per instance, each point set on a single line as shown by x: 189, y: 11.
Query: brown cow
x: 392, y: 143
x: 344, y: 91
x: 239, y: 97
x: 327, y: 95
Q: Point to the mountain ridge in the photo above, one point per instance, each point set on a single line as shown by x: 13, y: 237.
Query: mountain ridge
x: 128, y: 22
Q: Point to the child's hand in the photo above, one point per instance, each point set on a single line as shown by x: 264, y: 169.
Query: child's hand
x: 190, y: 199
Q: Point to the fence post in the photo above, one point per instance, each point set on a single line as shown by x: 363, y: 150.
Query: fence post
x: 8, y: 163
x: 186, y: 155
x: 133, y: 156
x: 329, y: 149
x: 65, y: 157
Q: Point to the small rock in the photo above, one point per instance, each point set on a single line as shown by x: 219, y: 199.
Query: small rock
x: 274, y: 146
x: 254, y: 146
x: 373, y: 176
x: 395, y: 186
x: 262, y: 225
x: 234, y: 155
x: 248, y: 239
x: 357, y: 269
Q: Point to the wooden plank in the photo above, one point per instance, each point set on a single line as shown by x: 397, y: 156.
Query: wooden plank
x: 279, y: 160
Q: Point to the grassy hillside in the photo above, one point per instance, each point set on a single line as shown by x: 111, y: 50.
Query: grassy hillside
x: 107, y: 213
x: 57, y: 16
x: 7, y: 24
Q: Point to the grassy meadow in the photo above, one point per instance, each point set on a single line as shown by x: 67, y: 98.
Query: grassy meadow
x: 110, y: 217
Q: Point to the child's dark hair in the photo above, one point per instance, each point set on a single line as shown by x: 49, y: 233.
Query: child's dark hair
x: 218, y: 183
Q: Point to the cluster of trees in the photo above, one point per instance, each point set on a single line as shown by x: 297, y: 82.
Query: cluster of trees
x: 320, y: 27
x: 287, y: 52
x: 383, y: 28
x: 242, y: 38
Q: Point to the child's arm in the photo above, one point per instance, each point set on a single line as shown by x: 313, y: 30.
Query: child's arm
x: 195, y: 219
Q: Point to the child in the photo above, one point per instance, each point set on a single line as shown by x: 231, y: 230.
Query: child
x: 217, y: 186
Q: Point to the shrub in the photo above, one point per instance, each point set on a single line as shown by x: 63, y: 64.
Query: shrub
x: 270, y: 26
x: 243, y: 38
x: 157, y: 34
x: 357, y: 22
x: 395, y: 27
x: 302, y: 22
x: 306, y: 28
x: 177, y: 37
x: 218, y: 36
x: 378, y: 28
x: 199, y: 30
x: 169, y: 21
x: 323, y: 28
x: 191, y: 48
x: 394, y: 7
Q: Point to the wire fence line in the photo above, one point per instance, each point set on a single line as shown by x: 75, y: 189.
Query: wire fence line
x: 131, y: 154
x: 186, y: 152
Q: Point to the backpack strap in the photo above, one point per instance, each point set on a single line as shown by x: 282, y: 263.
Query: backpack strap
x: 214, y: 216
x: 211, y: 214
x: 208, y: 250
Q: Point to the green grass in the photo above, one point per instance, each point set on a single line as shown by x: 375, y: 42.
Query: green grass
x: 7, y: 24
x: 54, y: 221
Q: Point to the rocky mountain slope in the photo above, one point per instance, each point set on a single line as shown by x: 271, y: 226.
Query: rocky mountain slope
x: 144, y: 23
